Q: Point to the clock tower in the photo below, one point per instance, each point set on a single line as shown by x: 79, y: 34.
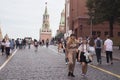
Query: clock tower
x: 45, y: 31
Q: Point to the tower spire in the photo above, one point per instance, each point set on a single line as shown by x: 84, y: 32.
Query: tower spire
x: 62, y: 20
x: 46, y: 8
x: 45, y: 32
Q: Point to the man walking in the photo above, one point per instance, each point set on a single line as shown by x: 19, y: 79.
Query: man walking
x: 71, y: 47
x: 108, y: 47
x: 98, y: 48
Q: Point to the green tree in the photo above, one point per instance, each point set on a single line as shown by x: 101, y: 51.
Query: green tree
x: 104, y: 10
x: 60, y: 35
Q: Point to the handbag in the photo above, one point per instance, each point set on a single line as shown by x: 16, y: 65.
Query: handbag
x: 87, y: 56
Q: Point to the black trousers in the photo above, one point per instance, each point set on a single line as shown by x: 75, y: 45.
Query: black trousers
x: 2, y: 47
x: 98, y: 55
x: 109, y: 56
x: 7, y: 51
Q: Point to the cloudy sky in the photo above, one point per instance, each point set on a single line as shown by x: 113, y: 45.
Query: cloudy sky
x: 20, y: 18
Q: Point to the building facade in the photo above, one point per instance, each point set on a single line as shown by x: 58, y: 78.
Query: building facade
x: 67, y: 18
x: 45, y: 31
x: 1, y: 36
x: 78, y: 21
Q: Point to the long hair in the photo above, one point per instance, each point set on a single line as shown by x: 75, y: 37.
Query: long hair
x: 91, y: 42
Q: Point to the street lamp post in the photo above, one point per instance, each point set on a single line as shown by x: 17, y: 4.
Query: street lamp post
x: 91, y: 25
x: 81, y: 29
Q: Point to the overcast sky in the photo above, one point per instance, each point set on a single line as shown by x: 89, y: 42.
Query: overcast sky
x: 20, y: 18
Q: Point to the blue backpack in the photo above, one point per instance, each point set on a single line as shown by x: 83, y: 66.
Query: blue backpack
x: 98, y: 43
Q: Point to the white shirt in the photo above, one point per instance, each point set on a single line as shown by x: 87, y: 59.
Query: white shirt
x: 20, y: 41
x: 83, y: 48
x: 7, y: 44
x: 108, y: 45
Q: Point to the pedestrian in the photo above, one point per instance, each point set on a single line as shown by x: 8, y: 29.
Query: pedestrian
x: 17, y: 43
x: 84, y: 57
x: 60, y: 47
x: 40, y: 42
x: 29, y: 43
x: 65, y: 50
x: 98, y: 48
x: 72, y: 50
x: 24, y: 43
x: 36, y: 45
x: 43, y: 42
x: 20, y: 43
x: 7, y: 47
x: 108, y: 47
x: 12, y: 44
x: 47, y: 43
x: 91, y: 46
x: 3, y: 46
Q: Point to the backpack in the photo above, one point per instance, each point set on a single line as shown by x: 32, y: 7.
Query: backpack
x: 98, y: 43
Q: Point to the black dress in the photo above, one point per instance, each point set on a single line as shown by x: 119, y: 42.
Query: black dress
x: 83, y: 58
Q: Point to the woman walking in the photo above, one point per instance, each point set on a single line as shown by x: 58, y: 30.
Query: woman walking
x: 83, y: 56
x: 92, y: 47
x: 7, y: 47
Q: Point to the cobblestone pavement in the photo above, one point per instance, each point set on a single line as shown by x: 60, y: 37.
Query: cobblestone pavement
x: 47, y: 64
x: 3, y: 57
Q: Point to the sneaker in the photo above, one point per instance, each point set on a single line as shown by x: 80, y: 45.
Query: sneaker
x: 66, y: 63
x: 108, y: 64
x: 72, y: 75
x: 84, y: 75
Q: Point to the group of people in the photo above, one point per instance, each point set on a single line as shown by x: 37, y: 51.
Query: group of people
x: 83, y: 50
x: 43, y: 42
x: 7, y: 46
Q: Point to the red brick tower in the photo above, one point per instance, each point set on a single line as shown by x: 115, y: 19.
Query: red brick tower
x: 45, y: 31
